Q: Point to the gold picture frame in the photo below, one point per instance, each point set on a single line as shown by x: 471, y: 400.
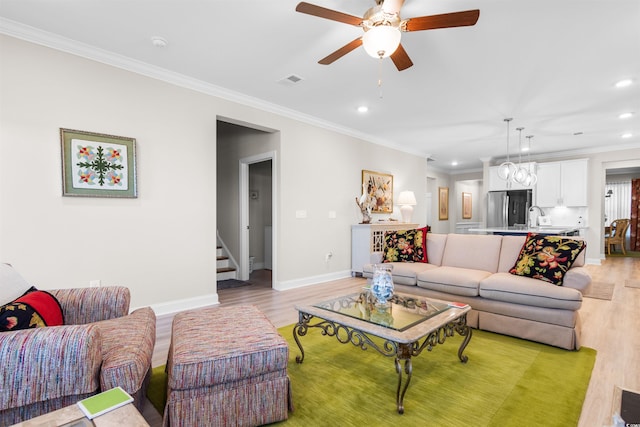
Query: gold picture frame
x: 466, y: 206
x: 443, y: 203
x: 380, y: 187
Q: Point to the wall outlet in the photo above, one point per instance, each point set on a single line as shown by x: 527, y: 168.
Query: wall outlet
x: 95, y: 283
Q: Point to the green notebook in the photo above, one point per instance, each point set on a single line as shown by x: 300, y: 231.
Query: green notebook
x: 106, y: 401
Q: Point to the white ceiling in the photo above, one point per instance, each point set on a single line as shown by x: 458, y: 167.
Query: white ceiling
x: 549, y: 64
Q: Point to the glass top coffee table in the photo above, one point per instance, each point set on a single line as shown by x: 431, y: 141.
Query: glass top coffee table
x: 407, y: 324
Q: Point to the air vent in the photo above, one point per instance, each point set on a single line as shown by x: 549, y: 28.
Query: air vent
x: 291, y: 79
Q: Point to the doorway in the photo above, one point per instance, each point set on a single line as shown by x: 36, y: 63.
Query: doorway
x: 257, y: 185
x: 619, y: 203
x: 246, y: 181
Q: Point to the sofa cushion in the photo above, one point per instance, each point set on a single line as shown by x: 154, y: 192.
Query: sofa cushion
x: 405, y: 245
x: 509, y: 252
x: 35, y: 309
x: 12, y: 285
x: 476, y: 252
x: 547, y: 258
x: 527, y: 291
x: 453, y: 280
x: 403, y: 273
x: 435, y: 247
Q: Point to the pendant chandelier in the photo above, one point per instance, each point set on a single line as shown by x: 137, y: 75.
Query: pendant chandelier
x: 522, y: 174
x: 507, y: 170
x: 532, y: 174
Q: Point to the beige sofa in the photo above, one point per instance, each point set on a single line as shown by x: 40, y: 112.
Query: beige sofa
x: 474, y: 269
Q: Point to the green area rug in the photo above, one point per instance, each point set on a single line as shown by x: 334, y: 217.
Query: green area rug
x: 506, y: 382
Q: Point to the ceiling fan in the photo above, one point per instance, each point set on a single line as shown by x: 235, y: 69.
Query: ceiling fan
x: 383, y: 26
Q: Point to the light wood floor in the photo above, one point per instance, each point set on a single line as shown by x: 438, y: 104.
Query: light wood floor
x: 610, y: 327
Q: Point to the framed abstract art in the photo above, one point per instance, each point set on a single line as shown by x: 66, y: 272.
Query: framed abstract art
x: 380, y: 187
x: 466, y: 206
x: 98, y: 165
x: 443, y: 203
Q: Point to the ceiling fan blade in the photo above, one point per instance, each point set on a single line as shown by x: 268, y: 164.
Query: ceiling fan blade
x: 392, y: 6
x: 322, y: 12
x: 445, y: 20
x: 401, y: 59
x: 341, y: 52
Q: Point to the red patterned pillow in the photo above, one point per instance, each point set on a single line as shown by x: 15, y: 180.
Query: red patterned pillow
x: 405, y: 245
x: 32, y: 310
x: 547, y: 258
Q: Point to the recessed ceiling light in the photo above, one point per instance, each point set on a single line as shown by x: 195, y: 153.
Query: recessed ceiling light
x: 624, y: 83
x: 363, y: 109
x: 627, y: 135
x: 454, y: 163
x: 625, y: 115
x: 159, y: 41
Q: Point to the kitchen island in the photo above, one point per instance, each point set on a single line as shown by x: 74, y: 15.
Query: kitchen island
x: 556, y: 230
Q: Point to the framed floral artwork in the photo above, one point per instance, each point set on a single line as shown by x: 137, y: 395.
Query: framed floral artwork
x: 443, y: 203
x: 98, y: 165
x: 379, y: 186
x: 466, y: 206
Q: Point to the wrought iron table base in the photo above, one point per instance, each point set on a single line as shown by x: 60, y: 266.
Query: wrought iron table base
x: 402, y: 352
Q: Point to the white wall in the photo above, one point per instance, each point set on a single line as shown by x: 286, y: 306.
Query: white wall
x: 159, y: 244
x: 436, y: 180
x: 162, y: 244
x: 473, y: 187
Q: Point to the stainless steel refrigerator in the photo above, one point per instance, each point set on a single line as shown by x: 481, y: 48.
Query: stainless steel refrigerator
x: 507, y: 208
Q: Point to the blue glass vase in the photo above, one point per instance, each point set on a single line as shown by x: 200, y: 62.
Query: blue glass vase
x: 382, y: 283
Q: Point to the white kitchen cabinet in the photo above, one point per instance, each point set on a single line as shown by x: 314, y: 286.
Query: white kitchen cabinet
x: 369, y: 238
x: 498, y: 184
x: 562, y: 183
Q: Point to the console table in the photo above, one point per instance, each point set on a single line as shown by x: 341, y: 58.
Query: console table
x: 369, y: 238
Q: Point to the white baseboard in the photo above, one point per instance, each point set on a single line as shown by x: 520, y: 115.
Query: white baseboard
x: 314, y: 280
x: 171, y: 307
x: 594, y: 261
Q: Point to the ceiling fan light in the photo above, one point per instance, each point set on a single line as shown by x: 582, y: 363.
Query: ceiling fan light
x: 381, y: 41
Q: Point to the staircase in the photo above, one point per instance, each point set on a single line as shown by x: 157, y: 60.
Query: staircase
x: 224, y: 268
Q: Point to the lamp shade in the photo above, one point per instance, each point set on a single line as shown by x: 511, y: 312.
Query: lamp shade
x: 381, y: 41
x: 407, y: 198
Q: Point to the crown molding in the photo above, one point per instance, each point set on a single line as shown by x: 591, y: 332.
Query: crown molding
x: 73, y: 47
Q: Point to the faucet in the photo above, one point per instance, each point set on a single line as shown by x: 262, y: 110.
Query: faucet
x: 540, y: 213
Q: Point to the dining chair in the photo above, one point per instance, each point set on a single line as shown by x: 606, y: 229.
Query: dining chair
x: 617, y: 235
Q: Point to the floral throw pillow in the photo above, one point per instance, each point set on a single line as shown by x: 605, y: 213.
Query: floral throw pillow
x: 35, y: 309
x: 547, y: 258
x: 406, y: 245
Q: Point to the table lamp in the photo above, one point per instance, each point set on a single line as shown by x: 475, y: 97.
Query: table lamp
x: 406, y: 200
